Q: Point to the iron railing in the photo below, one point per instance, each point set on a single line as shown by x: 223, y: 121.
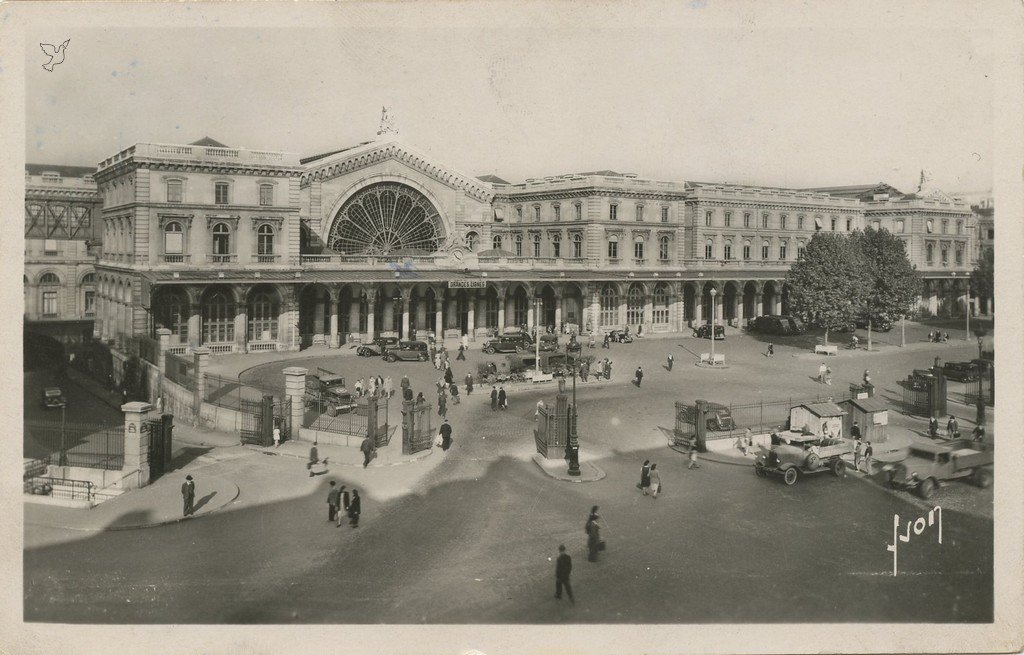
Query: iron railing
x: 180, y: 371
x: 762, y: 416
x: 75, y: 444
x: 60, y: 488
x: 229, y: 392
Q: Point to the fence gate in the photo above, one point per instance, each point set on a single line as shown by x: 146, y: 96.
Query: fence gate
x: 257, y: 421
x: 981, y: 388
x: 377, y: 422
x: 417, y: 434
x: 160, y: 431
x: 685, y: 431
x: 917, y: 401
x: 283, y: 418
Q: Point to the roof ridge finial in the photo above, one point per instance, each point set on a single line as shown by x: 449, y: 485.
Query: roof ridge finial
x: 387, y: 123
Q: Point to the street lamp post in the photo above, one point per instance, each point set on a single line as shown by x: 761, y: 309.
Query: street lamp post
x: 63, y: 447
x: 714, y: 317
x: 536, y: 338
x: 573, y: 442
x: 967, y: 314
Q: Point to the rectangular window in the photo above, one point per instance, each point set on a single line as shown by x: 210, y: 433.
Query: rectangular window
x: 536, y: 213
x: 728, y: 251
x: 709, y: 250
x: 782, y: 222
x: 800, y: 251
x: 728, y: 219
x: 663, y: 249
x: 49, y: 303
x: 579, y: 211
x: 849, y: 225
x: 519, y: 214
x: 945, y: 226
x: 558, y: 212
x: 959, y: 254
x: 577, y: 247
x: 556, y: 248
x: 707, y: 219
x: 833, y: 223
x: 221, y: 193
x: 90, y: 302
x: 638, y: 249
x: 266, y: 195
x: 639, y: 212
x: 901, y: 226
x: 991, y: 234
x: 959, y: 227
x: 174, y: 191
x: 746, y: 251
x: 664, y: 214
x: 945, y: 256
x: 800, y: 222
x: 877, y: 225
x: 929, y: 253
x: 746, y: 219
x: 613, y: 212
x: 764, y: 220
x: 613, y: 250
x: 782, y: 250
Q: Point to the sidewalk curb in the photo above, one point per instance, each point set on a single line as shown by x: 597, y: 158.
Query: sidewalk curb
x: 423, y: 454
x: 565, y: 477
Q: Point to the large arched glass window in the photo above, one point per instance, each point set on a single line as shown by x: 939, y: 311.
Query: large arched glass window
x: 577, y: 246
x: 265, y: 240
x: 471, y: 239
x: 635, y: 305
x: 660, y: 306
x: 221, y: 239
x: 170, y: 310
x: 218, y: 318
x: 49, y: 285
x: 174, y: 240
x: 263, y: 312
x: 496, y: 242
x: 609, y: 306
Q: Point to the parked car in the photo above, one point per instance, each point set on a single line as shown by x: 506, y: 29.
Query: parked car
x: 920, y: 379
x: 719, y: 418
x: 508, y: 343
x: 407, y: 351
x: 548, y: 342
x: 794, y: 454
x: 796, y: 326
x: 328, y: 391
x: 704, y: 332
x: 961, y: 371
x: 377, y: 347
x: 771, y: 325
x: 53, y: 398
x: 928, y: 464
x: 620, y: 336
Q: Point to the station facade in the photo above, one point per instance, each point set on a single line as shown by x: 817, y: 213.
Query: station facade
x: 241, y: 250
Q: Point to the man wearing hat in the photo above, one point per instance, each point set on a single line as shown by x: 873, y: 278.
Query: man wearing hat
x: 188, y: 494
x: 563, y: 567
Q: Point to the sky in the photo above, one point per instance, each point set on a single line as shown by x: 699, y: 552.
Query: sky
x: 795, y: 106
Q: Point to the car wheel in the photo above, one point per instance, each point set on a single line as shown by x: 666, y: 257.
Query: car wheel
x: 838, y: 467
x: 759, y: 471
x: 392, y: 359
x: 982, y: 478
x: 791, y: 476
x: 519, y: 349
x: 489, y: 351
x: 422, y: 357
x: 813, y: 461
x: 925, y: 489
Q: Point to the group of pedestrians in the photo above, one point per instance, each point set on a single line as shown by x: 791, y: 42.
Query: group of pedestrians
x: 340, y: 503
x: 499, y: 398
x: 374, y: 387
x: 953, y: 429
x: 650, y: 479
x: 937, y: 336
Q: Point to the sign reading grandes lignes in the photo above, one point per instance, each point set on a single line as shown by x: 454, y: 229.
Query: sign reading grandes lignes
x: 467, y: 284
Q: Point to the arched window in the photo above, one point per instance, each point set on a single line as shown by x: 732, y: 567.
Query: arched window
x: 929, y: 253
x: 663, y: 248
x: 635, y: 305
x: 556, y: 245
x: 88, y: 297
x: 218, y: 318
x: 263, y: 311
x: 221, y: 239
x: 765, y: 247
x: 727, y: 251
x: 660, y: 305
x: 265, y: 240
x: 471, y: 239
x: 638, y: 247
x: 746, y: 250
x: 709, y: 249
x: 613, y: 247
x: 174, y: 241
x: 536, y: 245
x: 519, y: 245
x: 170, y: 310
x: 577, y: 246
x: 609, y: 306
x: 496, y: 242
x: 800, y: 249
x: 782, y: 249
x: 49, y: 285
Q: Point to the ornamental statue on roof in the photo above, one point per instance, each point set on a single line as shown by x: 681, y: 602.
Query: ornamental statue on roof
x: 387, y: 123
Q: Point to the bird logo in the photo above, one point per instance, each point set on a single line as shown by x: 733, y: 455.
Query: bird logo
x: 56, y: 55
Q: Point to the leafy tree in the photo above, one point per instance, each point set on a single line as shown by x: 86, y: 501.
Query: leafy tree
x: 892, y: 282
x: 983, y: 275
x: 826, y: 286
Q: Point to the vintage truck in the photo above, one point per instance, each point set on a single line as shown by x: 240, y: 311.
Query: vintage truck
x: 928, y: 464
x: 794, y: 454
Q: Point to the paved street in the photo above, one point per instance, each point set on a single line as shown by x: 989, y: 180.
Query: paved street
x: 469, y: 538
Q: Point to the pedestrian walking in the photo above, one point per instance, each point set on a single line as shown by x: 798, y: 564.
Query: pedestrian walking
x: 771, y: 350
x: 585, y: 371
x: 188, y: 495
x: 354, y: 509
x: 454, y: 391
x: 867, y: 457
x: 952, y: 428
x: 655, y: 481
x: 607, y: 369
x: 469, y: 383
x: 437, y: 360
x: 494, y: 398
x: 563, y: 568
x: 440, y: 384
x: 828, y: 376
x: 593, y: 530
x: 343, y: 510
x: 465, y: 342
x: 446, y: 435
x: 368, y: 451
x: 314, y: 458
x: 821, y: 373
x: 645, y: 477
x: 333, y: 501
x: 858, y: 453
x: 855, y: 431
x: 462, y: 353
x: 591, y: 342
x: 502, y: 398
x: 277, y: 435
x: 449, y: 377
x: 358, y: 388
x: 693, y: 458
x: 389, y: 387
x: 671, y: 360
x: 933, y: 427
x: 607, y: 341
x: 540, y: 406
x: 442, y: 405
x: 639, y: 375
x: 978, y: 434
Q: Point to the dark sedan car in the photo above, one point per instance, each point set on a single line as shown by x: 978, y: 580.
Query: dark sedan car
x: 407, y: 351
x: 771, y: 325
x: 704, y: 332
x: 961, y: 371
x: 508, y: 343
x: 377, y: 347
x: 620, y: 336
x: 53, y: 398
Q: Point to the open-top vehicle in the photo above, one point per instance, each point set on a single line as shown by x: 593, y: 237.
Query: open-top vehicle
x: 328, y: 390
x: 928, y: 464
x: 794, y: 454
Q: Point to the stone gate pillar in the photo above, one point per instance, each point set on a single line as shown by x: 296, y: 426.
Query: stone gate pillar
x: 135, y: 470
x: 164, y: 336
x: 295, y: 391
x: 201, y: 359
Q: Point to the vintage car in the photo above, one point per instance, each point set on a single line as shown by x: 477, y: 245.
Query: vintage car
x: 961, y: 371
x: 548, y: 342
x: 508, y: 343
x: 920, y: 379
x: 794, y: 454
x: 928, y: 464
x: 704, y: 332
x: 620, y: 336
x: 407, y: 351
x: 771, y: 325
x: 377, y: 347
x: 53, y: 398
x: 327, y: 391
x: 719, y: 418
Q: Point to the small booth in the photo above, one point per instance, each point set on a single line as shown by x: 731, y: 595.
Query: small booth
x: 818, y: 418
x: 871, y: 415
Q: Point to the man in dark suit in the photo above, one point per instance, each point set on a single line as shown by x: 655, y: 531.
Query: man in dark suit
x: 333, y: 501
x: 494, y: 399
x: 446, y: 435
x: 563, y: 568
x: 188, y: 494
x: 354, y: 509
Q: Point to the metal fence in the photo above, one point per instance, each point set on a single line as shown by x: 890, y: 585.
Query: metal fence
x: 180, y: 371
x: 60, y: 488
x: 915, y: 401
x: 230, y: 393
x: 760, y: 417
x: 318, y: 416
x: 75, y: 444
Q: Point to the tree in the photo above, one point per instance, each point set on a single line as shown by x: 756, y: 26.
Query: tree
x: 826, y: 286
x: 892, y: 282
x: 983, y: 275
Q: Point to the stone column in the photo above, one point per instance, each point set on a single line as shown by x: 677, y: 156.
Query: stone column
x: 295, y: 389
x: 622, y: 307
x: 648, y: 315
x: 333, y: 341
x: 164, y: 335
x: 195, y: 326
x: 353, y: 312
x: 777, y: 300
x: 595, y: 310
x: 371, y: 302
x: 758, y: 304
x: 201, y: 358
x: 319, y: 316
x: 471, y: 314
x: 502, y: 300
x: 387, y: 319
x: 406, y: 299
x: 453, y: 311
x: 739, y: 309
x: 421, y: 313
x: 698, y: 307
x: 135, y: 470
x: 558, y: 312
x: 509, y: 308
x: 241, y: 327
x: 529, y: 313
x: 438, y: 314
